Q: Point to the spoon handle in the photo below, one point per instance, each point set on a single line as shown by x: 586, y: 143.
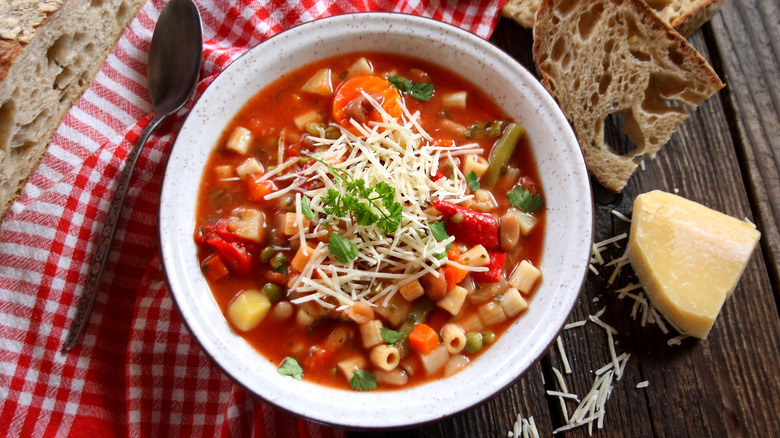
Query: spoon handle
x: 106, y: 238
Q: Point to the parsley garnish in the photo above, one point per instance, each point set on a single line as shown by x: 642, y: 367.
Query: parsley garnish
x: 306, y: 208
x: 290, y: 367
x: 363, y: 380
x: 522, y: 198
x: 389, y: 335
x: 278, y: 264
x: 380, y: 207
x: 341, y: 247
x: 418, y: 91
x: 473, y: 181
x: 439, y: 231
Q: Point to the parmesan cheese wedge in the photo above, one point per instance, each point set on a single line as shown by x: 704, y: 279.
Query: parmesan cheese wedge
x: 688, y: 257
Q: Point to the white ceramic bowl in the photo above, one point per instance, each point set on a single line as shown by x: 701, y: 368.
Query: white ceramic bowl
x: 567, y: 243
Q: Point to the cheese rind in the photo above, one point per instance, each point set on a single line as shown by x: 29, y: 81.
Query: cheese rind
x: 688, y: 257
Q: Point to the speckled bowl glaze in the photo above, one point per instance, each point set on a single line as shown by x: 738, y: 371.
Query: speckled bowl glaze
x: 563, y: 176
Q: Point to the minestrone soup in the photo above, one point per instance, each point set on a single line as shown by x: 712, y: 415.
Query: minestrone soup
x: 371, y: 221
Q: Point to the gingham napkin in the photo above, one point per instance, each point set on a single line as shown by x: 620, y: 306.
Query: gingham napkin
x: 136, y: 371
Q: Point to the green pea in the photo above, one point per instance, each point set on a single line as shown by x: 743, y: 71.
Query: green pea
x: 488, y: 337
x: 332, y: 132
x: 313, y: 128
x: 266, y: 254
x: 273, y: 291
x: 457, y: 218
x: 473, y: 342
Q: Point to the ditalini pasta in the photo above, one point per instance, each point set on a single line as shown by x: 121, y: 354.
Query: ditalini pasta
x: 371, y: 221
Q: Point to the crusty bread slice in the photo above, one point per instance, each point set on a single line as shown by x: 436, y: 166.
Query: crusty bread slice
x: 50, y: 51
x: 602, y: 57
x: 685, y: 16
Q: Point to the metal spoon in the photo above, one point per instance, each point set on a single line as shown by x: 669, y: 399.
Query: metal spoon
x: 172, y: 69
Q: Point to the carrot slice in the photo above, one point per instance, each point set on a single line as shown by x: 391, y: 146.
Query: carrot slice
x: 423, y: 339
x: 350, y: 93
x: 257, y: 189
x: 454, y: 275
x: 214, y: 268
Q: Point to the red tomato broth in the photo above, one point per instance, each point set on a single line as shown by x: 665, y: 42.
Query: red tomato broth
x: 270, y: 114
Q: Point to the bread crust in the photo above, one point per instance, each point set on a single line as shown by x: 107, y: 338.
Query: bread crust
x: 603, y: 57
x: 686, y: 16
x: 50, y: 52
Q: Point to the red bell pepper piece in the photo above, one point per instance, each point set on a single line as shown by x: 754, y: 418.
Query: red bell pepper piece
x: 495, y: 268
x: 438, y: 175
x: 234, y: 254
x: 475, y: 228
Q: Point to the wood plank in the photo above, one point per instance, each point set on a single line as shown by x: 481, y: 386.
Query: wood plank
x: 747, y: 36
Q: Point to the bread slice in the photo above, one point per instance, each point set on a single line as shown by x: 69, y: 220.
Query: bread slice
x: 602, y: 57
x: 50, y: 51
x: 685, y: 16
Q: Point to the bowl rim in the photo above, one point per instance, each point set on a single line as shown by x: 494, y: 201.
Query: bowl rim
x: 352, y: 422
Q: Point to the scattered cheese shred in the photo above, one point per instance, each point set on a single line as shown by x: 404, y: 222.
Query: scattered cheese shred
x: 401, y: 154
x: 524, y: 428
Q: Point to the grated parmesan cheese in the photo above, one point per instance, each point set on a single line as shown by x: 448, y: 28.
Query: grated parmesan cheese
x: 401, y: 154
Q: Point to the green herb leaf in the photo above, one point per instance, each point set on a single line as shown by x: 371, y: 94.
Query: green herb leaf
x: 389, y: 335
x: 439, y: 231
x: 279, y: 264
x: 418, y: 91
x: 522, y: 198
x: 306, y: 208
x: 363, y: 380
x: 369, y: 205
x: 341, y: 247
x: 290, y: 367
x: 473, y: 181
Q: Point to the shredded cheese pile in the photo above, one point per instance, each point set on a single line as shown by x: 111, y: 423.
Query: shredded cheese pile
x: 402, y: 155
x: 591, y: 408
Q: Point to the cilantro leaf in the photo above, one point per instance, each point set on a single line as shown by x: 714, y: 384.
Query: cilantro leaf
x: 422, y: 91
x: 306, y: 208
x: 473, y: 181
x: 389, y: 335
x: 278, y: 264
x: 341, y: 247
x: 363, y: 380
x: 522, y: 198
x: 290, y: 367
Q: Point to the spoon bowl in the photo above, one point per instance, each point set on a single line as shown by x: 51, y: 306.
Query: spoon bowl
x: 172, y: 70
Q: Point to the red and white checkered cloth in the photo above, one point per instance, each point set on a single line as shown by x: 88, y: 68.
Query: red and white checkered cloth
x: 136, y: 371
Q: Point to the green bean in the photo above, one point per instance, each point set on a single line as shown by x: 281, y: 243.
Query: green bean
x: 502, y: 151
x: 266, y: 254
x: 273, y: 291
x: 473, y: 342
x: 422, y: 307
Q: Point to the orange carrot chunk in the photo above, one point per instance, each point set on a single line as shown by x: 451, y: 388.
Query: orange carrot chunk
x: 214, y: 268
x: 257, y: 189
x: 350, y: 103
x: 454, y: 275
x: 423, y: 339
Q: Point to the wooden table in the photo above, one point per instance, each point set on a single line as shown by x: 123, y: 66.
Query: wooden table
x: 725, y: 156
